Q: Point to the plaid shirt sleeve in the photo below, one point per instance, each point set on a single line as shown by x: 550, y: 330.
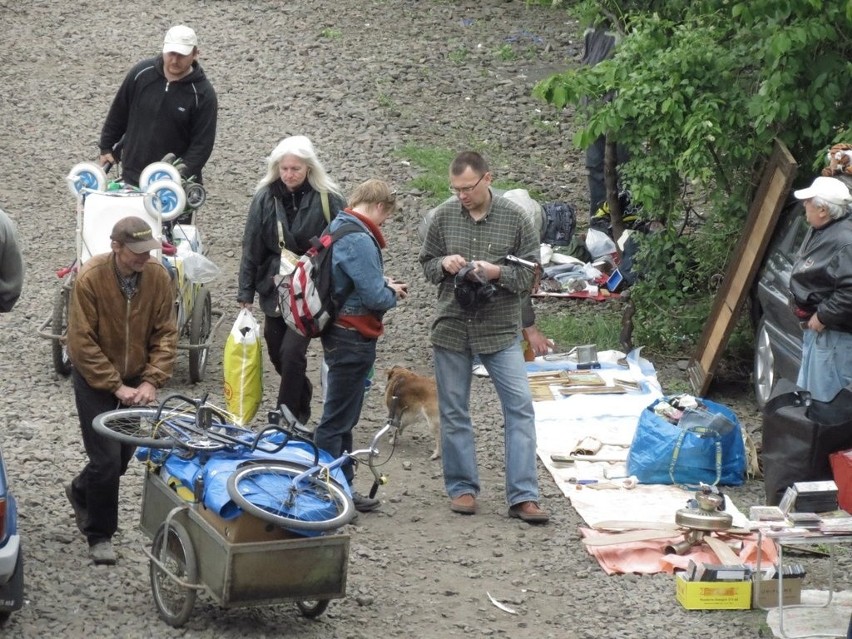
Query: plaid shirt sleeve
x: 505, y: 230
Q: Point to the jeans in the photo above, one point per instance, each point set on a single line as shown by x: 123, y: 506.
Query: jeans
x: 288, y: 354
x: 508, y: 373
x: 595, y: 155
x: 826, y: 363
x: 96, y: 487
x: 349, y: 357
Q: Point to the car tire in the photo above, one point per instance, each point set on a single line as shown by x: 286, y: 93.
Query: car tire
x: 764, y: 374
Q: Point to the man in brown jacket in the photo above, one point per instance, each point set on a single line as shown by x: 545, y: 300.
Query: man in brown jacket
x: 122, y: 340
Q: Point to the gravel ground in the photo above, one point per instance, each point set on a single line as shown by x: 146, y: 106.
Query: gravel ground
x: 362, y: 79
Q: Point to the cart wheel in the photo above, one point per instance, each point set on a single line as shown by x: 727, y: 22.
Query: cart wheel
x: 199, y: 332
x: 86, y: 175
x: 169, y: 199
x: 196, y: 195
x: 59, y: 326
x: 174, y: 602
x: 312, y: 609
x: 158, y: 171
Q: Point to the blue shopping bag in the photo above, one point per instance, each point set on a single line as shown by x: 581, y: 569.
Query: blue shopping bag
x: 705, y: 446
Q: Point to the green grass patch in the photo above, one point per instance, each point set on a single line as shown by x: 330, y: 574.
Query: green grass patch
x: 433, y: 180
x: 506, y: 52
x: 600, y: 325
x: 459, y: 56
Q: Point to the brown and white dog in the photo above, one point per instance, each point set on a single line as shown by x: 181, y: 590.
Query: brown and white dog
x: 418, y: 396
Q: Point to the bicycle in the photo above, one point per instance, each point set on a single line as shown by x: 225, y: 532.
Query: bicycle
x: 298, y: 497
x: 196, y: 426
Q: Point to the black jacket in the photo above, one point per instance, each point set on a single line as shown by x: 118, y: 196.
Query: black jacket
x: 821, y: 280
x: 261, y: 255
x: 156, y: 117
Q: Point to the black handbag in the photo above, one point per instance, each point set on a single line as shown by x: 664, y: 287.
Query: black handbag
x: 799, y: 434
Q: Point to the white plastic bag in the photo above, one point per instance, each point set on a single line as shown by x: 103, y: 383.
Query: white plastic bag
x: 599, y: 243
x: 199, y: 269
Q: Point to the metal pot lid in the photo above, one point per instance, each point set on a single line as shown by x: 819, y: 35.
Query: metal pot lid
x: 699, y: 519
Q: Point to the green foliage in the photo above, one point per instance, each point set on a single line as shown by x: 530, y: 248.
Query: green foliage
x: 331, y: 33
x: 460, y: 55
x: 698, y: 91
x: 506, y: 52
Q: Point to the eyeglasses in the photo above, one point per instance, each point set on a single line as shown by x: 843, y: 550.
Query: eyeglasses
x: 464, y: 190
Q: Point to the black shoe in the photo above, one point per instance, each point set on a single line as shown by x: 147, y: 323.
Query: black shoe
x: 81, y: 514
x: 364, y: 504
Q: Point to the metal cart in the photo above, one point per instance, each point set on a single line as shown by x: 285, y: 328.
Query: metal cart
x: 97, y: 212
x: 191, y: 552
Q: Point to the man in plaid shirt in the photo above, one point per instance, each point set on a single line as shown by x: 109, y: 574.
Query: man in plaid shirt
x: 479, y: 229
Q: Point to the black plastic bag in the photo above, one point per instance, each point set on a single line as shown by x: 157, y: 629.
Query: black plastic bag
x: 798, y: 436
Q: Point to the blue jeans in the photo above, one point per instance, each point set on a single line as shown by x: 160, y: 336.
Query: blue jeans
x: 349, y: 357
x: 826, y: 363
x: 508, y: 373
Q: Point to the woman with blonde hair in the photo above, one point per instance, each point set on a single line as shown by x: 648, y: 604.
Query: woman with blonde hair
x: 364, y: 295
x: 293, y: 202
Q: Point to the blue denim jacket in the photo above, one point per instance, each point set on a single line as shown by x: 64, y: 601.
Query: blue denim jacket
x: 357, y: 267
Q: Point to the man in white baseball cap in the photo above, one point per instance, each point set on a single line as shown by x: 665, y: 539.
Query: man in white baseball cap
x: 180, y: 39
x: 828, y: 189
x: 165, y: 105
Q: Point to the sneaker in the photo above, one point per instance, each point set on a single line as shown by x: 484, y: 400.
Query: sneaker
x: 364, y: 504
x: 102, y: 553
x: 81, y: 514
x: 480, y: 371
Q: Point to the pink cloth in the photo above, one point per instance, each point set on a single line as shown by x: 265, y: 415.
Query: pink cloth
x: 649, y: 557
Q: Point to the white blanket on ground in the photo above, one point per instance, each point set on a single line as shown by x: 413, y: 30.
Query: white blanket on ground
x: 612, y: 420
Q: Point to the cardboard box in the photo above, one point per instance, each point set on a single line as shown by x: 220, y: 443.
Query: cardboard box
x: 766, y: 594
x: 245, y: 528
x: 713, y: 595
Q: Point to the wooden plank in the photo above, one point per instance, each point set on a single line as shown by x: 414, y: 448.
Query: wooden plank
x: 763, y: 214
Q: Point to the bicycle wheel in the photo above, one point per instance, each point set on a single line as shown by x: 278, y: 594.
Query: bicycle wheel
x: 266, y: 490
x: 199, y: 332
x: 174, y: 602
x: 59, y: 326
x: 312, y: 609
x: 136, y: 426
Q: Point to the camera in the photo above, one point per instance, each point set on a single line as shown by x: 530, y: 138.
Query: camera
x: 471, y: 289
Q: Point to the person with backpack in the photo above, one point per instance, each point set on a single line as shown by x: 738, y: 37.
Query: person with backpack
x: 363, y: 295
x: 293, y: 203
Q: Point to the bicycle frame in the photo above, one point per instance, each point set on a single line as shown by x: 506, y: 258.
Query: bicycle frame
x: 371, y: 453
x: 194, y: 430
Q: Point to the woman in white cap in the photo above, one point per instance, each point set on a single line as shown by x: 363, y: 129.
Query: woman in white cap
x: 821, y: 286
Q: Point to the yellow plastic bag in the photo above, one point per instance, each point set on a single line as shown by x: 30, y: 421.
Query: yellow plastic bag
x: 244, y: 368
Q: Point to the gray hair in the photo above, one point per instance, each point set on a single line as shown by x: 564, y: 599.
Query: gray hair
x: 835, y: 211
x: 302, y: 148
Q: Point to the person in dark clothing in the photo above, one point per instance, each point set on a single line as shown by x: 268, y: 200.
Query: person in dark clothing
x: 164, y: 105
x: 293, y: 203
x: 599, y: 44
x: 821, y: 288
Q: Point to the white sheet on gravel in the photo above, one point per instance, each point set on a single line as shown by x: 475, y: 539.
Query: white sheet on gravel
x: 612, y: 420
x: 813, y: 619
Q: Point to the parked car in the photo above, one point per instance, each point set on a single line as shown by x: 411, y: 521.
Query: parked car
x: 778, y: 333
x: 11, y: 555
